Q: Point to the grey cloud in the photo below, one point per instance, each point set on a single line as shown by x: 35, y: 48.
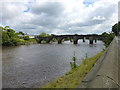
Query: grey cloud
x: 47, y: 15
x: 82, y: 24
x: 89, y: 23
x: 9, y: 11
x: 119, y: 11
x: 49, y: 8
x: 44, y: 21
x: 105, y: 11
x: 28, y: 26
x: 50, y: 17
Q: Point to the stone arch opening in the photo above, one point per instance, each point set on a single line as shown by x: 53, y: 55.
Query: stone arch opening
x: 41, y: 41
x: 52, y: 40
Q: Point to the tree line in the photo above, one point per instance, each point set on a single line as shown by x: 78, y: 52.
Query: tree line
x: 11, y: 38
x: 114, y: 32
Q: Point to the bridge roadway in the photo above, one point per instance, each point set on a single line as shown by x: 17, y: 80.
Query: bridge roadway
x: 106, y: 72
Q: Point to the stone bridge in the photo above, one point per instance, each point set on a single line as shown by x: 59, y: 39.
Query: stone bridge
x: 72, y: 38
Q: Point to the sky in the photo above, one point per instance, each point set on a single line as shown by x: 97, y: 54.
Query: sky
x: 59, y: 16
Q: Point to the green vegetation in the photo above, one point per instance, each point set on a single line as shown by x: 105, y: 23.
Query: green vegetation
x: 73, y: 64
x: 11, y: 38
x: 108, y: 38
x: 73, y: 78
x: 116, y: 28
x: 43, y: 34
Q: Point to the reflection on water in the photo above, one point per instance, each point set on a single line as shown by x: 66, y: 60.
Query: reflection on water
x: 35, y: 65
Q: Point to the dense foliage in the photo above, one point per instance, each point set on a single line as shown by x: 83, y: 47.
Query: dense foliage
x: 116, y: 28
x: 11, y: 38
x: 108, y: 38
x: 43, y: 34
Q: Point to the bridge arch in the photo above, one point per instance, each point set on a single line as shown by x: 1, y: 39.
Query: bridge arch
x: 41, y: 41
x: 76, y: 38
x: 72, y: 38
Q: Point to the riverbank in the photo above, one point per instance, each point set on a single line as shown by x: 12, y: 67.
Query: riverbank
x: 74, y: 77
x: 27, y: 42
x: 105, y: 74
x: 23, y: 42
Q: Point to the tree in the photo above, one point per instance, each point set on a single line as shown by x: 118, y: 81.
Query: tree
x: 7, y: 27
x: 11, y: 33
x: 44, y: 34
x: 9, y: 36
x: 108, y: 38
x: 26, y: 38
x: 116, y: 28
x: 20, y: 32
x: 5, y: 38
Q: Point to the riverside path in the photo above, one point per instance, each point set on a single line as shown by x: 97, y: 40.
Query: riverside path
x: 106, y: 71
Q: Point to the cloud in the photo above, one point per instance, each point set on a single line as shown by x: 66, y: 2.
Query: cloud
x: 59, y: 17
x: 48, y: 8
x: 119, y: 11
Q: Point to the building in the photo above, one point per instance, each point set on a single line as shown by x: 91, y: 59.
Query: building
x: 31, y: 36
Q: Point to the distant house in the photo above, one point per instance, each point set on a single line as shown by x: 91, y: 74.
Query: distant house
x: 20, y: 35
x: 31, y: 36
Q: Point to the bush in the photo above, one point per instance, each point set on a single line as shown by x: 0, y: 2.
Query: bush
x: 73, y: 64
x: 108, y: 38
x: 15, y: 41
x: 26, y: 38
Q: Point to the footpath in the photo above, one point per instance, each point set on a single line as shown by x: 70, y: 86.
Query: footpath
x: 106, y: 72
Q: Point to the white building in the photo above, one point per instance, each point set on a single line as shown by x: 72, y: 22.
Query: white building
x: 31, y: 36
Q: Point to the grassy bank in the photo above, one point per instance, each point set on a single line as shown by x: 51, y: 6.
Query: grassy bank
x: 21, y: 42
x: 26, y: 42
x: 73, y: 78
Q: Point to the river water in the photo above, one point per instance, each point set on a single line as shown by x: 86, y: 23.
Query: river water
x: 37, y: 64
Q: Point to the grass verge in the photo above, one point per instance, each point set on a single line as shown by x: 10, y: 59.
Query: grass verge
x: 73, y: 78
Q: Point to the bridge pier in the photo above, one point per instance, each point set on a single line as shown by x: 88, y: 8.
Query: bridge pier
x: 84, y: 39
x: 59, y: 40
x: 95, y: 40
x: 91, y: 40
x: 75, y: 42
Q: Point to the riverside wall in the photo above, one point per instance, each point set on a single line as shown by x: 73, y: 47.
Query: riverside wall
x: 105, y: 73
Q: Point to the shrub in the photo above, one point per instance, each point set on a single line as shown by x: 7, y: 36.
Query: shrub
x: 73, y: 64
x: 26, y: 38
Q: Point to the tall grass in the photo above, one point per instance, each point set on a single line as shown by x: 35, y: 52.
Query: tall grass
x: 73, y: 64
x: 73, y: 78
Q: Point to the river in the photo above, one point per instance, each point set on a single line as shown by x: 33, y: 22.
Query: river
x: 37, y: 64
